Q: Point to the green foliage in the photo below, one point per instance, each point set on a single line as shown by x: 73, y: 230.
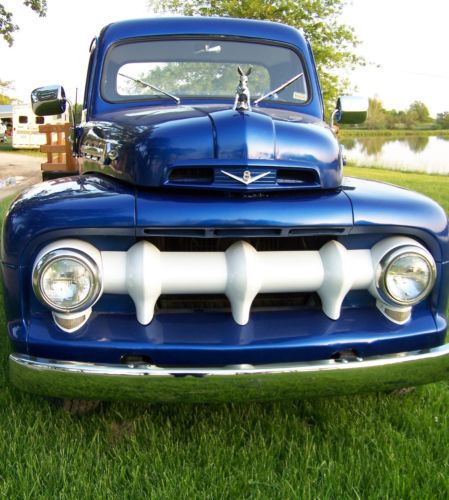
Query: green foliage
x: 333, y: 42
x: 394, y: 133
x: 194, y: 78
x: 443, y: 120
x: 377, y: 116
x: 4, y: 87
x: 416, y: 116
x: 419, y: 112
x: 7, y: 25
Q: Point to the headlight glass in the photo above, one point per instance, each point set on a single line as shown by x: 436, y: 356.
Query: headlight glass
x: 66, y: 281
x: 408, y: 275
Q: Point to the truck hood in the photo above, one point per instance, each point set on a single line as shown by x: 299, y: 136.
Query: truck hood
x: 212, y: 147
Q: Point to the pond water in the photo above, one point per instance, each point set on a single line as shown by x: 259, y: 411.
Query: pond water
x: 428, y: 154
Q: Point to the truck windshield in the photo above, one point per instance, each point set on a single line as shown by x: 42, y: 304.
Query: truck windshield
x: 197, y: 69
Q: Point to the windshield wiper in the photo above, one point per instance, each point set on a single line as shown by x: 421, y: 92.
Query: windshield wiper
x: 278, y: 89
x: 145, y: 84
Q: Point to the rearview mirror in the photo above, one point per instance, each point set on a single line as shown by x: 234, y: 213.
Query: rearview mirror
x: 351, y: 109
x: 48, y: 100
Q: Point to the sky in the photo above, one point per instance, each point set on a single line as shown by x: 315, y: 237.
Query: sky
x: 406, y: 43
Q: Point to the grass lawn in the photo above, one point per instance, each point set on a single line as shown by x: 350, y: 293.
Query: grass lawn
x: 373, y: 446
x: 7, y: 148
x: 434, y: 186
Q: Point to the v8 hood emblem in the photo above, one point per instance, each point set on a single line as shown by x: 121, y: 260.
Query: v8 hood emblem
x: 247, y: 178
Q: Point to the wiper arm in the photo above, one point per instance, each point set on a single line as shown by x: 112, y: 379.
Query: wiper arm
x: 145, y: 84
x: 278, y: 89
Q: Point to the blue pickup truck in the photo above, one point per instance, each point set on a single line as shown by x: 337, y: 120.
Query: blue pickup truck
x: 211, y: 249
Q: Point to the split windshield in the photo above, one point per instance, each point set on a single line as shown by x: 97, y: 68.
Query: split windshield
x: 196, y: 69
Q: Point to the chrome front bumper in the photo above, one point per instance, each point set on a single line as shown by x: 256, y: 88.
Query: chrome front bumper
x: 68, y: 379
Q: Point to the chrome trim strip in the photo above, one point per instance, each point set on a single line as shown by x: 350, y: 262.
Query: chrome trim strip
x: 68, y: 379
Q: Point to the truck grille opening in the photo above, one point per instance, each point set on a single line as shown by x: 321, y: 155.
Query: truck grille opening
x: 192, y: 175
x: 297, y: 176
x: 263, y: 242
x: 220, y: 303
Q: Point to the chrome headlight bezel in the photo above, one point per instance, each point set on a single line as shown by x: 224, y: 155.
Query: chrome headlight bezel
x: 42, y: 264
x: 388, y: 260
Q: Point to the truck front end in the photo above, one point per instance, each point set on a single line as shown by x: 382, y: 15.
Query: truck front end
x: 211, y: 249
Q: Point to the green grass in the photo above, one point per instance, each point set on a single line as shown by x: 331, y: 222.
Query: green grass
x: 7, y: 148
x: 357, y: 132
x: 434, y: 186
x: 373, y: 446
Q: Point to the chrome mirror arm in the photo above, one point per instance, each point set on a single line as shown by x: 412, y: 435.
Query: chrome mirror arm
x: 331, y: 121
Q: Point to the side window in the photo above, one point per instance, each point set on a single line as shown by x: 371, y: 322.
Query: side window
x: 40, y: 120
x: 93, y: 45
x: 23, y: 119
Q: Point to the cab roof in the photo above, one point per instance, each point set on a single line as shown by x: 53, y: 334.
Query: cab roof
x: 202, y: 26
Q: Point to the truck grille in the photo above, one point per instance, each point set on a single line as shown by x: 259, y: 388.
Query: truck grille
x: 217, y: 240
x: 220, y: 244
x: 220, y: 303
x: 243, y: 272
x: 231, y: 177
x: 231, y: 274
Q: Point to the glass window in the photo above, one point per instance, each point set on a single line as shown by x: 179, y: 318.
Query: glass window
x: 40, y: 120
x: 206, y: 68
x: 23, y: 119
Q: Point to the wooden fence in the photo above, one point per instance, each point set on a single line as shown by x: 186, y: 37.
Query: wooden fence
x: 58, y: 149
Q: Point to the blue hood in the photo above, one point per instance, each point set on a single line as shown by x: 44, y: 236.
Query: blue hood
x: 213, y: 147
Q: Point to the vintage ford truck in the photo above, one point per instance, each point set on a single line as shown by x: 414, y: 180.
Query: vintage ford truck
x: 211, y: 249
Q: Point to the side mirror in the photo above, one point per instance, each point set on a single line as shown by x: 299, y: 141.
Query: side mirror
x: 48, y: 100
x: 351, y: 109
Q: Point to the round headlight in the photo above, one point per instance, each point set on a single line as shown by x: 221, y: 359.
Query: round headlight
x: 407, y: 275
x: 66, y: 280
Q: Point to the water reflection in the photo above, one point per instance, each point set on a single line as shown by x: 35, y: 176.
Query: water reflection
x: 428, y: 154
x: 417, y: 143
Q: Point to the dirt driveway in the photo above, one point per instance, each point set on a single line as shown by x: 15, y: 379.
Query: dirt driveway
x: 18, y: 171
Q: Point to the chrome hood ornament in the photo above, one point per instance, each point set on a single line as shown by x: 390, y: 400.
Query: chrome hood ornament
x: 242, y: 96
x: 247, y: 177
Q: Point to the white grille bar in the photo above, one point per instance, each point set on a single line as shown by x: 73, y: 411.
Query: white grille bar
x: 240, y: 273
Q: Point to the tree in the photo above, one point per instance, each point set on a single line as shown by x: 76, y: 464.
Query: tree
x: 377, y: 116
x: 332, y: 42
x: 7, y: 26
x: 4, y: 87
x: 443, y: 120
x: 419, y: 112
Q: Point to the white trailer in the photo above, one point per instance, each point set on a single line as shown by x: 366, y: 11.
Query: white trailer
x: 25, y: 126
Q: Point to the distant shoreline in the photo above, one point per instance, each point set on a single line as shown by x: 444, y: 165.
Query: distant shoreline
x: 355, y: 132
